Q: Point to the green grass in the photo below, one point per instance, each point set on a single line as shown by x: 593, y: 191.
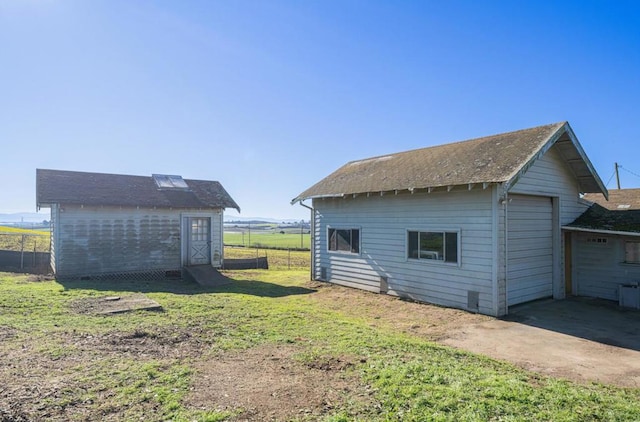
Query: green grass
x: 409, y: 378
x: 269, y: 239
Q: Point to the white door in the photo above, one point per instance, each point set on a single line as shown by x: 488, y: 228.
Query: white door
x: 530, y: 249
x: 199, y: 241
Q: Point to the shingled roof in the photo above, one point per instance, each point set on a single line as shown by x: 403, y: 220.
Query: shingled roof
x: 621, y: 213
x: 100, y: 189
x: 499, y: 158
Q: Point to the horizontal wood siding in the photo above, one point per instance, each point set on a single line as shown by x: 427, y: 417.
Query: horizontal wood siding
x: 530, y: 247
x: 113, y: 240
x: 600, y: 268
x: 383, y: 223
x: 550, y: 176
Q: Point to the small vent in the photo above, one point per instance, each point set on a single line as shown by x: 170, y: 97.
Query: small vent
x: 323, y: 273
x: 384, y: 284
x: 473, y: 300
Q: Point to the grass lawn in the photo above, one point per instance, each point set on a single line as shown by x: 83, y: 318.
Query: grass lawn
x: 271, y: 345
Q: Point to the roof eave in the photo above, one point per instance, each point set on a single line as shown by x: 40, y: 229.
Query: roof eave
x: 600, y: 231
x: 550, y: 142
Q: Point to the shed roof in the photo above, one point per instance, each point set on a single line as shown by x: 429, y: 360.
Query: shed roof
x: 621, y: 213
x: 101, y: 189
x: 499, y: 158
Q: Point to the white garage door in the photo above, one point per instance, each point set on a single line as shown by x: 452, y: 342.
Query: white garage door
x: 530, y: 249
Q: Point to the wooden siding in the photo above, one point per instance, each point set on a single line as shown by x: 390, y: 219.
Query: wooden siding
x: 600, y: 267
x: 384, y: 222
x: 530, y: 246
x: 113, y: 240
x: 551, y: 176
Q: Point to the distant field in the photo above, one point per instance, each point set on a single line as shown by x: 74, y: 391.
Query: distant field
x: 278, y: 259
x: 270, y: 239
x: 12, y: 238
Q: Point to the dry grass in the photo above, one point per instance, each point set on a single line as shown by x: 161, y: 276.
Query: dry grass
x: 278, y: 259
x: 15, y: 239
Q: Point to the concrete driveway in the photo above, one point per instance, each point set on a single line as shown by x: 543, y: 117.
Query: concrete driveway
x: 578, y: 338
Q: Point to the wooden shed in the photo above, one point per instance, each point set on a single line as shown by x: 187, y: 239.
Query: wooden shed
x: 603, y: 248
x: 110, y: 225
x: 473, y: 225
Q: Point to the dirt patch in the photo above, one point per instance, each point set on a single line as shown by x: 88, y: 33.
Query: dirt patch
x: 107, y: 305
x: 427, y: 321
x: 269, y: 383
x: 39, y: 278
x: 170, y: 342
x: 44, y: 384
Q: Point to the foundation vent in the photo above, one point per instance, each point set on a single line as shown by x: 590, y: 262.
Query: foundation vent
x: 384, y: 284
x: 473, y: 300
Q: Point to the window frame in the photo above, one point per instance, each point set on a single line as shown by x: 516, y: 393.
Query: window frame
x: 634, y: 242
x: 342, y: 251
x: 443, y: 232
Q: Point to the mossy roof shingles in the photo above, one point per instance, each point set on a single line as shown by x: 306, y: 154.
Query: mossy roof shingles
x: 490, y: 159
x: 100, y: 189
x: 621, y: 213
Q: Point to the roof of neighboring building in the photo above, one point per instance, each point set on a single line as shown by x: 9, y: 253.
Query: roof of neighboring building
x: 499, y: 158
x: 100, y: 189
x: 621, y: 213
x: 619, y: 199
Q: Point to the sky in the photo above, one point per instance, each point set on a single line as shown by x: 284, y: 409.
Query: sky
x: 270, y: 96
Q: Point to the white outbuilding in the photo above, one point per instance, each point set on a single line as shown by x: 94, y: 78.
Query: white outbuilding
x: 475, y: 225
x: 112, y: 225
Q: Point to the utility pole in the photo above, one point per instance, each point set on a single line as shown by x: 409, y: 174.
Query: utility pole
x: 617, y: 176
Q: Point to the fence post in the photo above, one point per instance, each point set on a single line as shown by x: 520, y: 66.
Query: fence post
x: 34, y: 261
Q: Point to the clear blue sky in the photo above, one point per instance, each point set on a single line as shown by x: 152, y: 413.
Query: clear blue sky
x: 268, y: 97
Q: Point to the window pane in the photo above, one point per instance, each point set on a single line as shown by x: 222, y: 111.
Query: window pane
x: 451, y: 244
x: 355, y: 241
x: 332, y: 240
x: 432, y: 246
x: 344, y: 240
x: 412, y: 245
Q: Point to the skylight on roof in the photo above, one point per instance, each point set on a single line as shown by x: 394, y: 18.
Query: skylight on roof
x: 165, y: 181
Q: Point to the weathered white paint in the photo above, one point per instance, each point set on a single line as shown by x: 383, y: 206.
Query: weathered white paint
x: 102, y: 240
x: 530, y: 249
x: 55, y: 210
x: 600, y: 268
x: 550, y: 176
x: 383, y: 224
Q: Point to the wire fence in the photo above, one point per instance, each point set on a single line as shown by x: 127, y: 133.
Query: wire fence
x: 20, y: 251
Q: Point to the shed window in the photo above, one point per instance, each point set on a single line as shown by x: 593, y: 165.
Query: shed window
x: 632, y: 252
x: 437, y: 246
x: 345, y: 240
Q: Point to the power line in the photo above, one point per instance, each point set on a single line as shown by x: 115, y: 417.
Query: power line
x: 629, y: 171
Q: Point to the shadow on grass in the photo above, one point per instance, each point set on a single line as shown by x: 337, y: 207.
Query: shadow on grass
x: 185, y: 287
